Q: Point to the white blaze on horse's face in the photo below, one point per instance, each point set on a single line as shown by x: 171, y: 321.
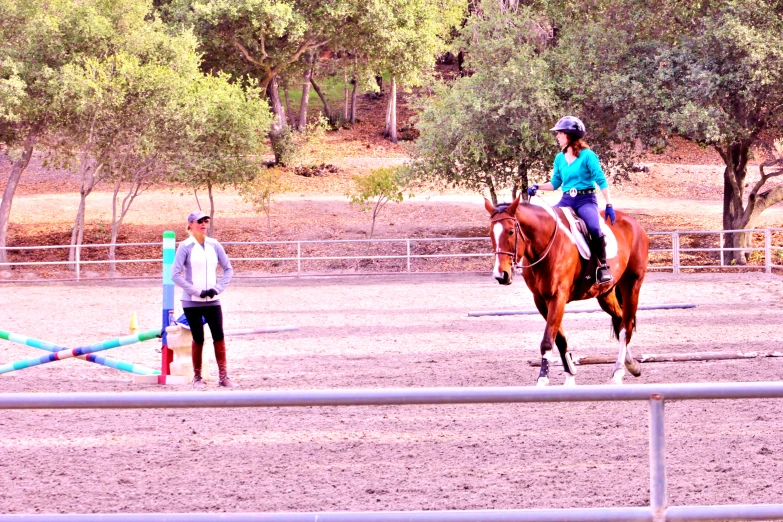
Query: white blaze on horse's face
x: 497, y: 232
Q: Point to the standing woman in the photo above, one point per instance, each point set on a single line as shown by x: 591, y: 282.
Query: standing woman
x: 577, y: 170
x: 195, y: 271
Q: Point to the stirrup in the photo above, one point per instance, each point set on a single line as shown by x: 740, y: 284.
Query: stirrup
x: 603, y: 274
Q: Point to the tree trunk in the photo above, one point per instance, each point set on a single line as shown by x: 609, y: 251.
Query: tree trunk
x: 346, y: 108
x: 8, y: 195
x: 90, y: 178
x: 139, y: 176
x: 493, y: 195
x: 308, y: 76
x: 353, y: 100
x: 391, y: 113
x: 277, y: 128
x: 288, y: 108
x: 211, y: 208
x: 327, y: 110
x: 115, y: 226
x: 522, y: 183
x: 735, y: 156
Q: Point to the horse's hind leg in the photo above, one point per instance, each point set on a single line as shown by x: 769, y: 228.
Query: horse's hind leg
x: 629, y: 286
x: 611, y: 305
x: 565, y: 356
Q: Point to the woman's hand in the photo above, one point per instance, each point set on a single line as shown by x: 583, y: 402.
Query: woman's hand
x: 609, y: 212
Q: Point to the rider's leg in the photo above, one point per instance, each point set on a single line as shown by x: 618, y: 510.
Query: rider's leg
x: 587, y: 209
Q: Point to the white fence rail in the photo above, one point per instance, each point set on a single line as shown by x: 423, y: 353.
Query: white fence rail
x: 655, y: 394
x: 678, y: 254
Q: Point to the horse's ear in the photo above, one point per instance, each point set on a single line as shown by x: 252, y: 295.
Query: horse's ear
x: 489, y: 206
x: 512, y: 208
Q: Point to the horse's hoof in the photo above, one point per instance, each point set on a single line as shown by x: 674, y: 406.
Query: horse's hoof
x: 617, y: 376
x: 542, y: 381
x: 634, y: 368
x: 570, y: 380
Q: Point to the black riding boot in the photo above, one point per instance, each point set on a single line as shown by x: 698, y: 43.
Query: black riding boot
x: 598, y: 246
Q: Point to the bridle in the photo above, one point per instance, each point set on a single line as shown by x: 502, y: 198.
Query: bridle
x: 514, y: 265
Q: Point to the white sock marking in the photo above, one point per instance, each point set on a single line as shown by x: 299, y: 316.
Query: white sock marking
x: 497, y: 230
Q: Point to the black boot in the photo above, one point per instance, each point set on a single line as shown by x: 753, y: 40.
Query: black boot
x: 598, y: 246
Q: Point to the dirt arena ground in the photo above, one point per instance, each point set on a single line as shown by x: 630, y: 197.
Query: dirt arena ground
x: 390, y: 332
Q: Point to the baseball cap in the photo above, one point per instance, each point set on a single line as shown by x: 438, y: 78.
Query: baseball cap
x: 196, y: 215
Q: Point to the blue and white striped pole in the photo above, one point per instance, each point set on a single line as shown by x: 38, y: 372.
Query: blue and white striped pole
x: 166, y: 355
x: 82, y: 350
x: 97, y: 359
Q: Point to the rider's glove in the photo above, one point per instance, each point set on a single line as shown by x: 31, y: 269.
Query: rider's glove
x: 531, y: 191
x: 610, y: 213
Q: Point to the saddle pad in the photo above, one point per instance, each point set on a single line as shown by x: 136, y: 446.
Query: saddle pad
x: 576, y: 236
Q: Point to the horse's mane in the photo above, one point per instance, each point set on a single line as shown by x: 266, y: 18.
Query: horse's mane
x: 503, y: 207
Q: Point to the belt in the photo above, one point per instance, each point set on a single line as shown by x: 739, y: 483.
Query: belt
x: 573, y: 192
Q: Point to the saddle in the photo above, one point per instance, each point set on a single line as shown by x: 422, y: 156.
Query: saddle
x: 577, y: 232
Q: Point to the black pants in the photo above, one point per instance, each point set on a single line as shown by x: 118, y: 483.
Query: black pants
x: 214, y: 318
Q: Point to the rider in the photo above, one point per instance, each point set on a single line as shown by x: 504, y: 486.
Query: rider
x: 577, y: 170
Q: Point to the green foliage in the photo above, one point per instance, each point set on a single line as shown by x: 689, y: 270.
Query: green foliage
x: 261, y: 190
x: 489, y: 130
x: 297, y: 149
x: 261, y: 38
x: 373, y: 191
x: 220, y: 127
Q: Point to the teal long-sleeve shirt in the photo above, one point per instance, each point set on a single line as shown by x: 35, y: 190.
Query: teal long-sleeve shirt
x: 584, y: 173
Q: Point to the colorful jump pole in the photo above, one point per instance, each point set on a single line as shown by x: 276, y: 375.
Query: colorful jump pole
x: 83, y: 350
x: 166, y: 355
x: 97, y: 359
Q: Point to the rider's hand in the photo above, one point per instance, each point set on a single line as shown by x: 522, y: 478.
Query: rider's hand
x: 212, y: 293
x: 204, y: 293
x: 610, y: 213
x: 531, y: 191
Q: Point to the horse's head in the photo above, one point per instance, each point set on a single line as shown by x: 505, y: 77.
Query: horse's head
x: 505, y: 234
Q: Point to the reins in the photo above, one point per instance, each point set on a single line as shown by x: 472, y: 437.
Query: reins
x: 514, y: 265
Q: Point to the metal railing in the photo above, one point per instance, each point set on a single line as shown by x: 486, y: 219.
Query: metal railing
x: 408, y: 250
x: 658, y: 510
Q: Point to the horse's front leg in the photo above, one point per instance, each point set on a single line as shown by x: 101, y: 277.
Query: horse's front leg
x: 555, y: 309
x: 619, y: 367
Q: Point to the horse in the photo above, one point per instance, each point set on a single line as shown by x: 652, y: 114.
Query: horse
x: 538, y: 241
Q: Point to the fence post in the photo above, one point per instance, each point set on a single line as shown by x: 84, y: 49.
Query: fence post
x: 675, y: 252
x: 768, y: 251
x: 298, y: 258
x: 408, y: 241
x: 722, y: 262
x: 658, y: 496
x: 78, y: 258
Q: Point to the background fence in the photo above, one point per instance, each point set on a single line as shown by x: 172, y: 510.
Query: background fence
x: 673, y: 251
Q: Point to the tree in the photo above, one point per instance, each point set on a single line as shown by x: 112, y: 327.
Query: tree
x: 263, y: 39
x: 403, y: 39
x: 489, y: 130
x: 373, y: 191
x: 222, y: 127
x: 707, y: 71
x: 261, y: 190
x: 111, y: 104
x: 36, y: 40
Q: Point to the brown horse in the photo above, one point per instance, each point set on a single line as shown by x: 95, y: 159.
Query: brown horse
x: 529, y: 238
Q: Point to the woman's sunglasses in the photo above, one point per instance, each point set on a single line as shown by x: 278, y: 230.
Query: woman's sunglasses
x: 203, y: 220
